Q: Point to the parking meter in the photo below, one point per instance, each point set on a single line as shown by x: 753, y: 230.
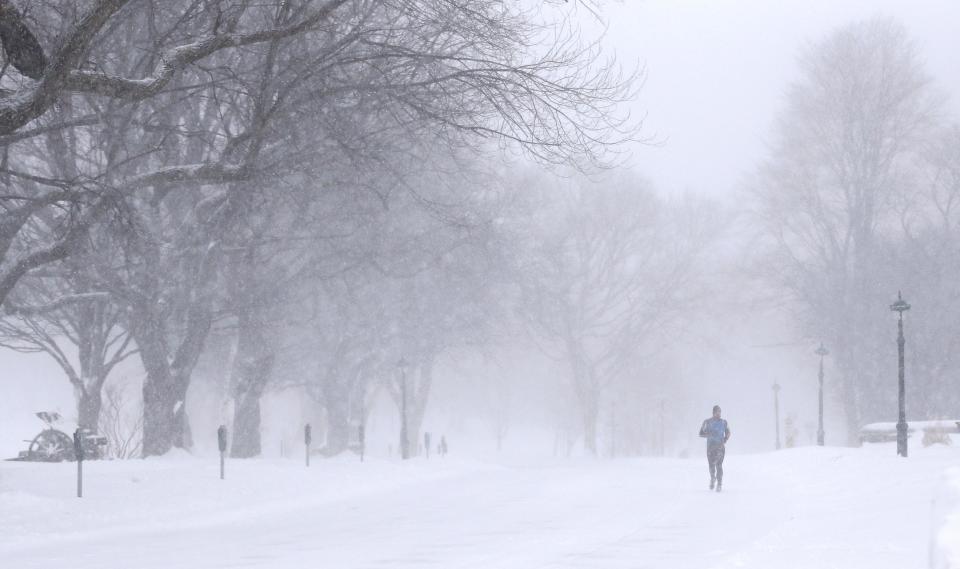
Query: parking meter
x: 78, y: 445
x: 222, y: 438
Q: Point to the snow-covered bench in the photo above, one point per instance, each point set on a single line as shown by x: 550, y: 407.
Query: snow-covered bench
x: 886, y: 432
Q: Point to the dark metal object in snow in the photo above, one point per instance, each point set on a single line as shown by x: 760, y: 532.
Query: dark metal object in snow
x: 901, y: 306
x: 54, y: 445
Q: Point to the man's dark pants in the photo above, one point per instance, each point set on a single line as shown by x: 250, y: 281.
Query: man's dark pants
x: 715, y: 453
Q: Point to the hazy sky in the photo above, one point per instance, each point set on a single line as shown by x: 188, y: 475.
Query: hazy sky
x: 717, y: 69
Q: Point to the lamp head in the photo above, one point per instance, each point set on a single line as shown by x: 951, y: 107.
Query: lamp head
x: 900, y: 305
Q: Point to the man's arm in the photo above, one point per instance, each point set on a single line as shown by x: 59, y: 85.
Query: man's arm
x: 726, y: 433
x: 703, y: 429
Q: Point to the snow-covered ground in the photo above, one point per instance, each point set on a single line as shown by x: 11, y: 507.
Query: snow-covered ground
x: 807, y: 507
x: 945, y: 540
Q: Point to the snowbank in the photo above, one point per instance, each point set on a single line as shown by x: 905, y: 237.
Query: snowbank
x: 945, y: 540
x: 951, y: 425
x: 886, y: 432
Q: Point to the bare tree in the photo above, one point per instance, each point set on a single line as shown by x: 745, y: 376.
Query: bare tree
x: 923, y: 258
x: 459, y: 69
x: 615, y: 275
x: 844, y: 149
x: 62, y: 315
x: 122, y: 428
x: 223, y: 97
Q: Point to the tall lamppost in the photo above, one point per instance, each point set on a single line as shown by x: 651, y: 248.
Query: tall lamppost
x: 821, y: 351
x: 901, y: 306
x: 404, y: 440
x: 776, y: 410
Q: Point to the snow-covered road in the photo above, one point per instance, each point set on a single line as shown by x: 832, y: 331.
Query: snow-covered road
x: 823, y: 508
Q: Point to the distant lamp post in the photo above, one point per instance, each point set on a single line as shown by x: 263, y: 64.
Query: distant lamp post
x: 404, y: 439
x: 821, y: 351
x: 901, y: 306
x: 776, y: 410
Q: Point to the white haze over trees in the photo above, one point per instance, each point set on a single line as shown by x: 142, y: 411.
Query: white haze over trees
x: 517, y: 224
x: 293, y: 197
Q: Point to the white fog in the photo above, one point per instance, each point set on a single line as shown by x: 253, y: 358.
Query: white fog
x: 480, y: 283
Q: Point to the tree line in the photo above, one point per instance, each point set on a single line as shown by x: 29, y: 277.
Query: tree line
x: 302, y: 193
x: 297, y: 192
x: 857, y: 200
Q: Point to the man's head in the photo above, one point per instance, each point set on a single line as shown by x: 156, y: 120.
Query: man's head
x: 716, y: 411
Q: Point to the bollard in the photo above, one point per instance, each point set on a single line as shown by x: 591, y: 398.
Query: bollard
x: 222, y: 443
x: 78, y: 454
x: 426, y: 444
x: 307, y: 439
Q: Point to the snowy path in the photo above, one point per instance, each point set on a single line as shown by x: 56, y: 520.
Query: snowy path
x: 801, y: 508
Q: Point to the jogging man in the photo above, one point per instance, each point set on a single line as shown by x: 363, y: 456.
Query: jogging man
x: 716, y: 431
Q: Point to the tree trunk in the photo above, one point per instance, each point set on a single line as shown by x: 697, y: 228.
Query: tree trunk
x: 165, y: 422
x: 419, y: 382
x: 246, y: 425
x: 338, y: 417
x: 590, y: 414
x: 252, y: 369
x: 89, y: 403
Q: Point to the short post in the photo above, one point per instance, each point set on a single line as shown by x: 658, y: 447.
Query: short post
x: 363, y: 443
x: 307, y: 439
x: 78, y: 453
x: 426, y: 444
x: 222, y: 443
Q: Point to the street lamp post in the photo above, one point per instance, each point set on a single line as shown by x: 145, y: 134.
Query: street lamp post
x: 901, y: 306
x: 776, y: 410
x: 404, y: 440
x: 821, y: 351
